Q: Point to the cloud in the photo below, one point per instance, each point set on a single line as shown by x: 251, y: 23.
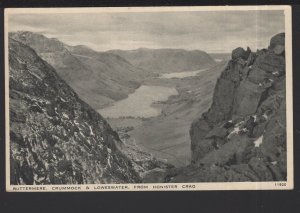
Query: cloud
x: 219, y: 31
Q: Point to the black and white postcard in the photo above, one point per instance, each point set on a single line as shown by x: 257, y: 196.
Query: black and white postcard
x: 149, y: 98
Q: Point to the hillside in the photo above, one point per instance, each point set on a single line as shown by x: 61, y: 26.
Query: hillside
x: 98, y: 78
x: 166, y: 60
x: 242, y: 136
x: 56, y: 138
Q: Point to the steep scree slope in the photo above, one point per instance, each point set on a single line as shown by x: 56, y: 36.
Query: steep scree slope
x: 55, y: 138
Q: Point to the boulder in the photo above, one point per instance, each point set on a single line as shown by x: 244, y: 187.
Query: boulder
x: 277, y: 43
x: 240, y: 53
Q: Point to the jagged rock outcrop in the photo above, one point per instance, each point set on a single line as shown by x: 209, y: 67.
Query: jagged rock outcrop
x: 55, y: 137
x: 242, y: 137
x: 244, y: 131
x: 240, y: 53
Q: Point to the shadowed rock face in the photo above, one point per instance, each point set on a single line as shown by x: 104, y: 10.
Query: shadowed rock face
x: 249, y: 95
x: 55, y: 137
x: 242, y: 137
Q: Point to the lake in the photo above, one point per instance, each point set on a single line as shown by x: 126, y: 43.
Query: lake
x: 139, y: 103
x: 181, y: 74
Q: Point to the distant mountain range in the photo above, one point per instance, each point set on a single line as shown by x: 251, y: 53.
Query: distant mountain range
x: 101, y: 78
x: 166, y: 60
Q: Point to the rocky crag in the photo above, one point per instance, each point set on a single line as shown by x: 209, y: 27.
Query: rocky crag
x: 242, y: 137
x: 55, y: 137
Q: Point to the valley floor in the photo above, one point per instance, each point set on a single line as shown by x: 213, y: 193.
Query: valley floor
x: 167, y: 136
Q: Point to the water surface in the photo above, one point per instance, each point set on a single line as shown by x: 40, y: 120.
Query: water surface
x: 181, y: 74
x: 139, y: 103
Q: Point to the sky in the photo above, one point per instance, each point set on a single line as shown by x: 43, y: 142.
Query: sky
x: 213, y: 32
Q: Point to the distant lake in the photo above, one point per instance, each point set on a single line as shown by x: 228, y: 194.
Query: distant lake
x: 139, y: 103
x: 218, y: 60
x: 181, y: 74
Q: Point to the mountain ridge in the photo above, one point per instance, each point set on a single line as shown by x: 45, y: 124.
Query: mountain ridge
x: 166, y: 60
x: 110, y: 76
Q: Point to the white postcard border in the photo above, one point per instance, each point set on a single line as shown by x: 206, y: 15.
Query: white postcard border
x: 274, y: 185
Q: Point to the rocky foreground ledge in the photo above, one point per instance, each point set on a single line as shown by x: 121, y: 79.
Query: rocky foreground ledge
x: 242, y: 137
